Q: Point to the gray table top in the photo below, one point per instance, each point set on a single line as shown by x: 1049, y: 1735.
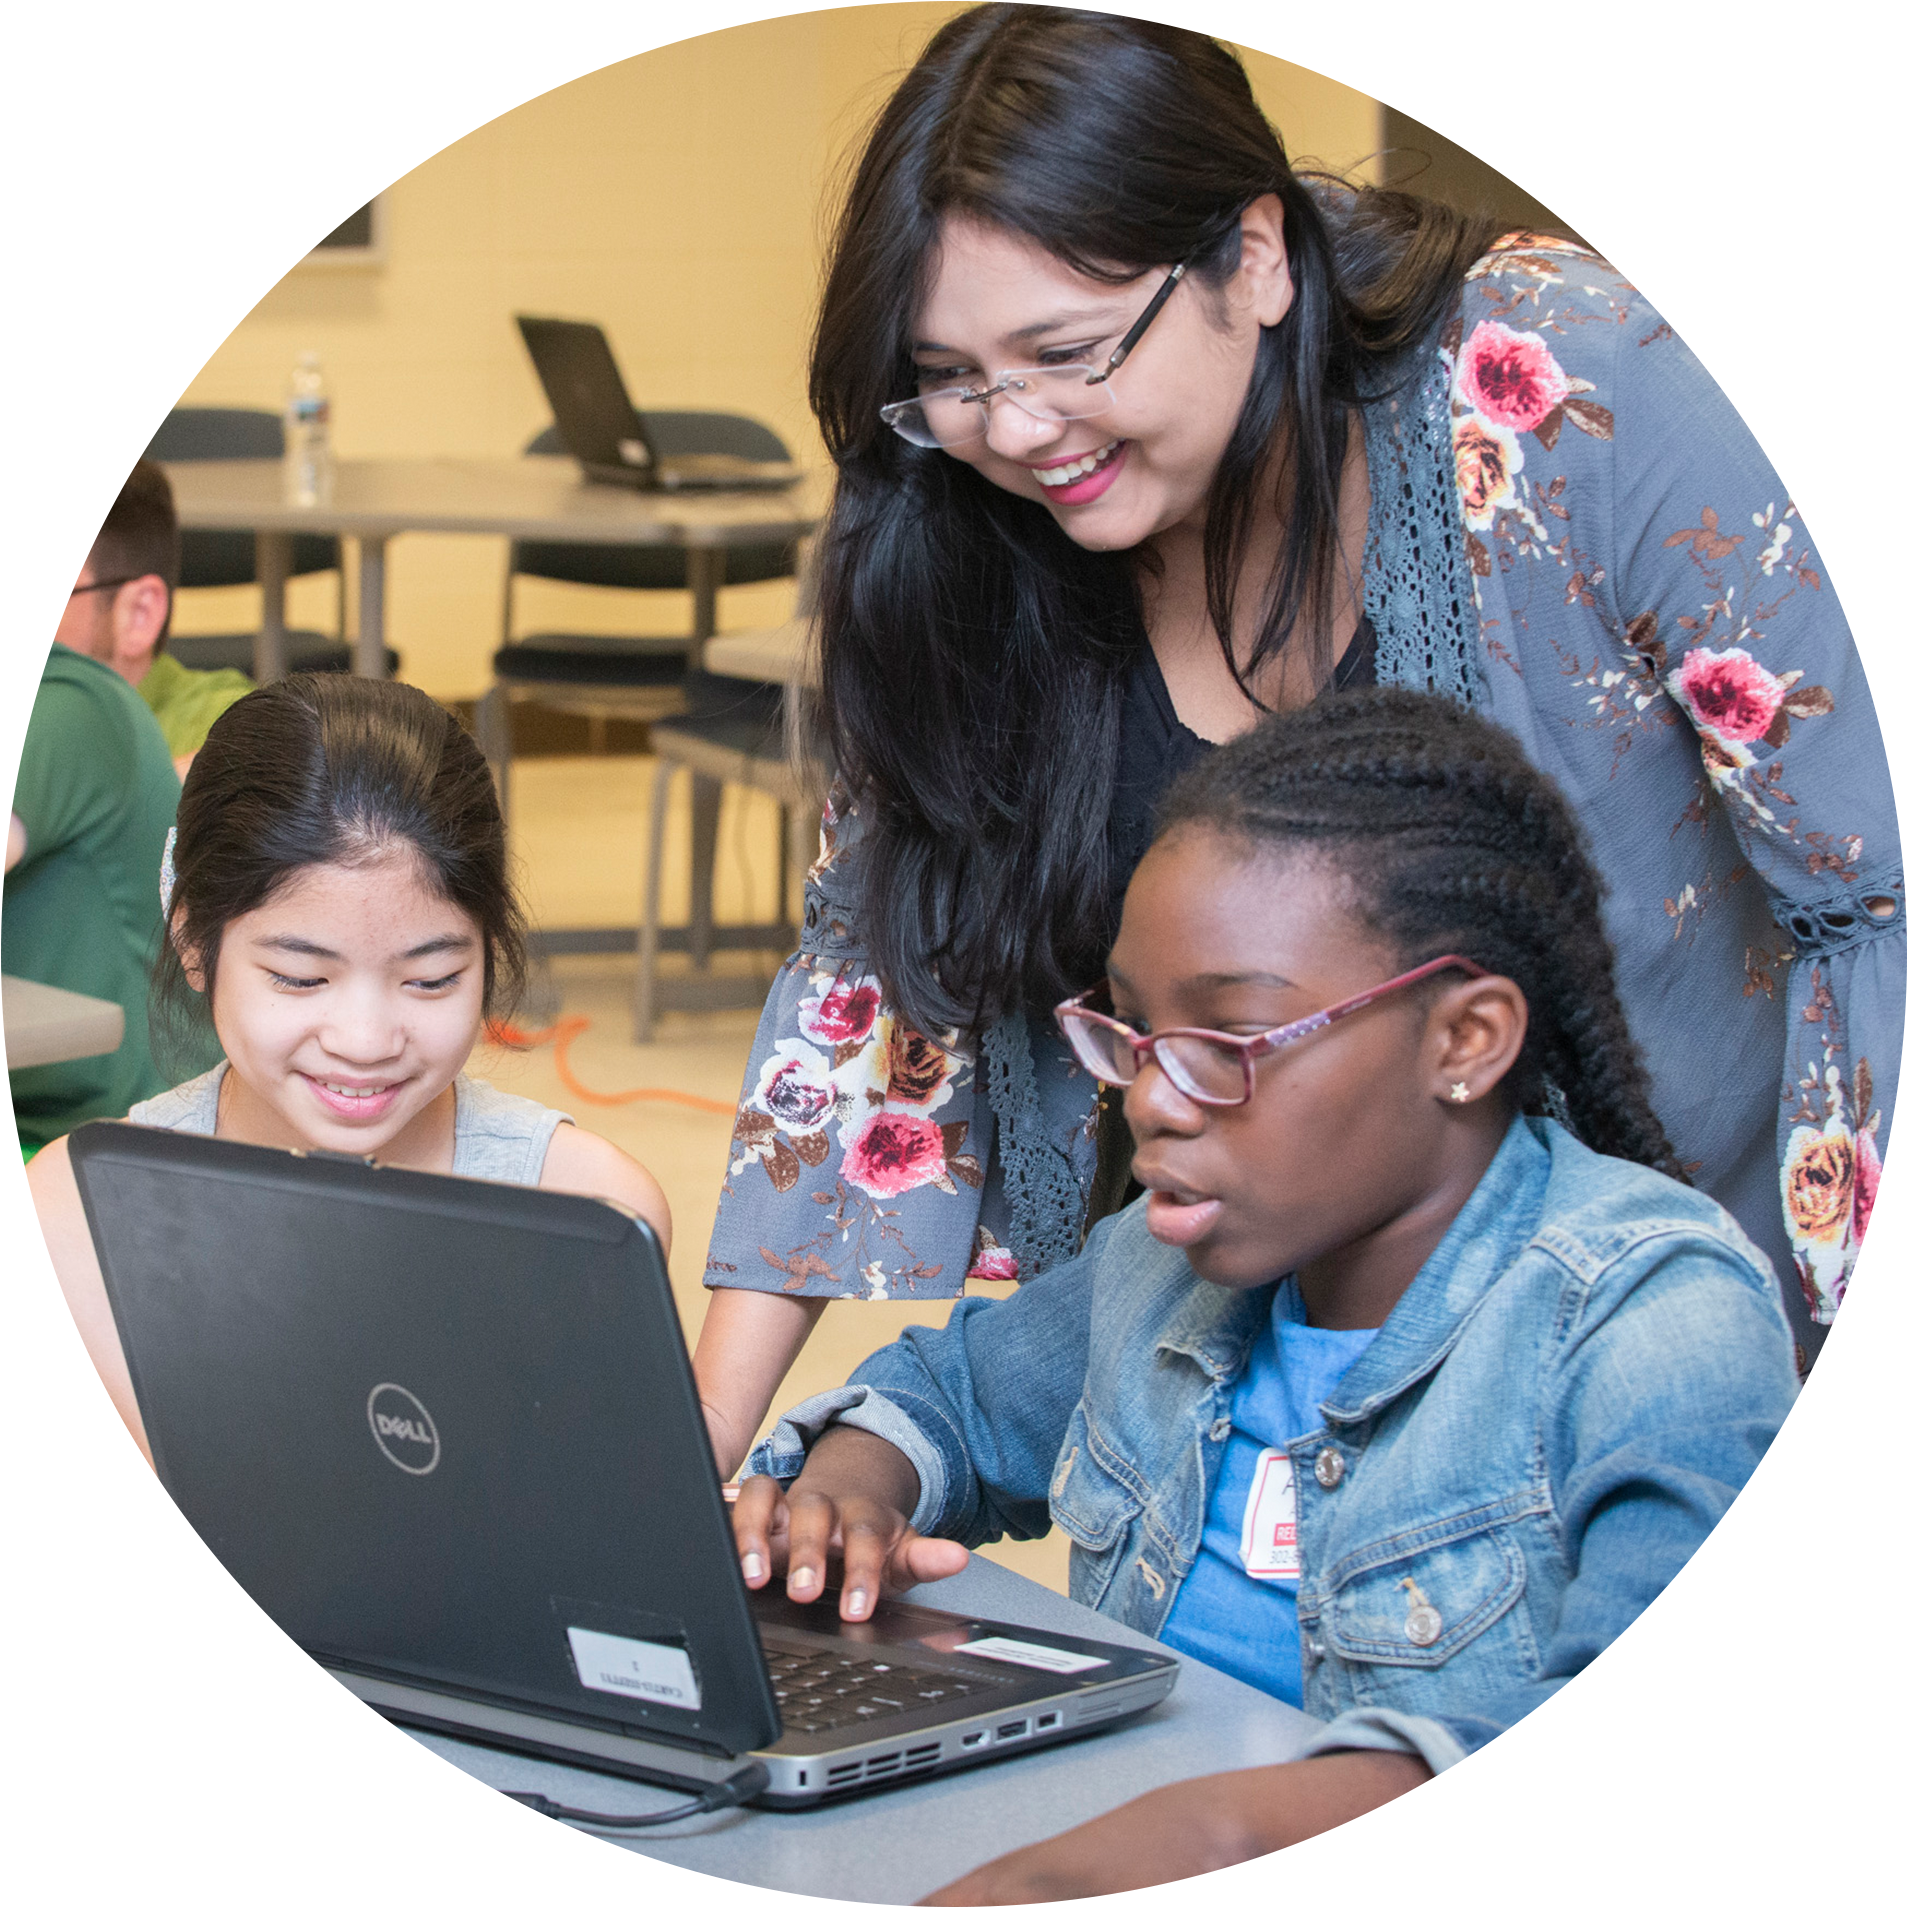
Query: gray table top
x: 787, y: 653
x: 500, y: 496
x: 130, y: 1776
x: 47, y: 1024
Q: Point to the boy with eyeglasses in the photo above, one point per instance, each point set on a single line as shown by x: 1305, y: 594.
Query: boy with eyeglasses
x: 1799, y: 254
x: 1795, y: 73
x: 113, y: 597
x: 86, y: 796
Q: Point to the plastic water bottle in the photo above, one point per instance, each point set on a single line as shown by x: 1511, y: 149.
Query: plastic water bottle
x: 307, y: 436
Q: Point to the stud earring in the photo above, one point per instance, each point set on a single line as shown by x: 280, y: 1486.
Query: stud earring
x: 1459, y: 1093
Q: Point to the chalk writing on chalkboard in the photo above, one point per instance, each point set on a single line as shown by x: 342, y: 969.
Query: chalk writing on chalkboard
x: 187, y: 126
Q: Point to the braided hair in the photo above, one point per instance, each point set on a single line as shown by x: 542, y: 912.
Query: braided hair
x: 1451, y: 842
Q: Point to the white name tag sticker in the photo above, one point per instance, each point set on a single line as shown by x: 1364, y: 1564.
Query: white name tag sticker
x: 643, y: 1671
x: 1029, y: 1655
x: 1268, y: 1542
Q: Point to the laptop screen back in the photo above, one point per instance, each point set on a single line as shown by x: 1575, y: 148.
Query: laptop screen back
x: 439, y: 1429
x: 601, y: 427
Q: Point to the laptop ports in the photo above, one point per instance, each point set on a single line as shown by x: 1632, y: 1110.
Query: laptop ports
x: 978, y: 1739
x: 1048, y: 1721
x: 1009, y: 1731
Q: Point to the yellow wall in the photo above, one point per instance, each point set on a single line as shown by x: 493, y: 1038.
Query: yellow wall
x: 677, y: 199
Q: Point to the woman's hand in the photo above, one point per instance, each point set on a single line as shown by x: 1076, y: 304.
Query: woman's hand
x: 852, y: 1501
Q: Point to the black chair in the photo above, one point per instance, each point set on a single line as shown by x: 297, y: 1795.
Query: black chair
x: 633, y: 678
x: 1860, y: 1766
x: 216, y: 559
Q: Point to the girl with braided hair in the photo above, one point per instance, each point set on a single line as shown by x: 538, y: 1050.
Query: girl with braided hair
x: 1138, y: 432
x: 1461, y: 848
x: 1395, y: 1396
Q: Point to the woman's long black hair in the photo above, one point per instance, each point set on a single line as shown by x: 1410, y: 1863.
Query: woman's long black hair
x: 972, y: 653
x: 1449, y: 841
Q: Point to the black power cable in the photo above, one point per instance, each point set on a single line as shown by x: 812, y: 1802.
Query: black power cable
x: 502, y: 1806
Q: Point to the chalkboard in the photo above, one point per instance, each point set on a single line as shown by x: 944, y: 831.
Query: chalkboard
x: 147, y: 130
x: 359, y: 240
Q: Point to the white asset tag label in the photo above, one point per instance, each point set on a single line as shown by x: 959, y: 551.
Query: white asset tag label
x: 643, y: 1671
x: 1029, y: 1655
x: 1268, y: 1544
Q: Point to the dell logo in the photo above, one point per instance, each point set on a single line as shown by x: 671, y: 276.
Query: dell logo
x: 403, y: 1429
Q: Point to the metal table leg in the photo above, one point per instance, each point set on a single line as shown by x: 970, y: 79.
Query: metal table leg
x: 705, y: 585
x: 272, y: 559
x: 370, y: 650
x: 705, y: 812
x: 705, y: 801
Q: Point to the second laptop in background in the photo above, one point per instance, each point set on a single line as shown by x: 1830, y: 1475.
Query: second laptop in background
x: 605, y: 432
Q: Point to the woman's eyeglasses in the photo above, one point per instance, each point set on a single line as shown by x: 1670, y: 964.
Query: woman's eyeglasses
x: 1215, y: 1069
x: 1053, y: 393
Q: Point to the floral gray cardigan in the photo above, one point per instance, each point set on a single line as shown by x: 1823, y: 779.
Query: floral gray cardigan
x: 1652, y: 621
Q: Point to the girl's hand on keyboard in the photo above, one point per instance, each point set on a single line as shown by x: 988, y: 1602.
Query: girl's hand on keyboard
x: 852, y: 1501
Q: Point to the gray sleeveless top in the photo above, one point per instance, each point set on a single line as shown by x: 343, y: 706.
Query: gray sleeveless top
x: 499, y: 1135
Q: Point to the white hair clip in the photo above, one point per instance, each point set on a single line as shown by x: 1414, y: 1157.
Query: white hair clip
x: 166, y: 877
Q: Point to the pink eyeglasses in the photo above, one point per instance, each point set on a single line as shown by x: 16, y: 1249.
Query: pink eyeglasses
x: 1213, y: 1068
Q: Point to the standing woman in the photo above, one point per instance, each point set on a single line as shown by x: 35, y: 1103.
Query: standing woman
x: 1138, y: 435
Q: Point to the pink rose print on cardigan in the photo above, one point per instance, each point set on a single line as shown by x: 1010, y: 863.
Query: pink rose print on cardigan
x: 1832, y: 1166
x: 1510, y: 376
x: 893, y: 1152
x: 992, y: 1260
x: 842, y: 1015
x: 1867, y: 1179
x: 1730, y: 693
x: 1732, y: 700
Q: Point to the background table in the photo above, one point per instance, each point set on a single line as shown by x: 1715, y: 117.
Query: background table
x: 47, y: 1024
x: 544, y: 498
x: 787, y: 653
x: 130, y: 1776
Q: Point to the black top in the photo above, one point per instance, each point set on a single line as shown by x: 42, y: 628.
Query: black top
x: 1155, y: 747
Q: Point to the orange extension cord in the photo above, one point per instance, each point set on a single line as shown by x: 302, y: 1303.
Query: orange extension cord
x: 558, y: 1039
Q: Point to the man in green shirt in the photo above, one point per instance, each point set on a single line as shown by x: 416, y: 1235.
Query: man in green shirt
x: 113, y: 597
x: 95, y: 798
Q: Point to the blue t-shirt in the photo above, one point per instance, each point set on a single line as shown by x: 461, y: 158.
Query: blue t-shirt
x: 1869, y: 496
x: 1238, y: 1609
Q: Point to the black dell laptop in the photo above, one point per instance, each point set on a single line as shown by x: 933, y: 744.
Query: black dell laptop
x: 444, y: 1432
x: 605, y: 432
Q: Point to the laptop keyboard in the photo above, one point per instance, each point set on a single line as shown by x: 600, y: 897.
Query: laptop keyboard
x: 823, y: 1691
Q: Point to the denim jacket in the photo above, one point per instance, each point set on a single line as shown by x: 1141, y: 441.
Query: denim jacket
x: 1555, y: 1414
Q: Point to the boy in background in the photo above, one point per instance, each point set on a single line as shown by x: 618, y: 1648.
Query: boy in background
x: 1795, y: 69
x: 1799, y: 252
x: 86, y: 798
x: 113, y: 597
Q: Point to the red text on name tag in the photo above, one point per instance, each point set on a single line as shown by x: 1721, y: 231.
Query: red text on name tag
x: 1268, y: 1543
